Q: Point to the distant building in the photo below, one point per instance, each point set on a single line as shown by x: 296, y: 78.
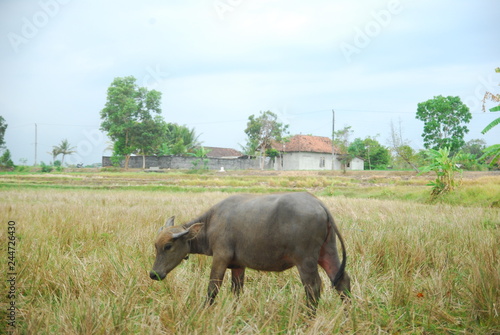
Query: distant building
x: 227, y: 153
x: 306, y: 152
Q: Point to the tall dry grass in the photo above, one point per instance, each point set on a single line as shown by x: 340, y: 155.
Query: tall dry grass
x: 84, y: 256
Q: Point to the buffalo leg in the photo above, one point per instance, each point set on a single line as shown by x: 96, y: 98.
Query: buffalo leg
x: 237, y: 280
x: 312, y: 284
x: 216, y: 278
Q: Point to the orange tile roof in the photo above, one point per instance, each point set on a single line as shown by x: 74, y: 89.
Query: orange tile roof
x: 216, y: 152
x: 306, y: 143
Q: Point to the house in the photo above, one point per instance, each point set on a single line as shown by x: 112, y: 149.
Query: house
x: 306, y: 152
x: 226, y: 153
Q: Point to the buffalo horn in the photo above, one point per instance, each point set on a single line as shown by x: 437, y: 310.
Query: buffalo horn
x: 177, y: 235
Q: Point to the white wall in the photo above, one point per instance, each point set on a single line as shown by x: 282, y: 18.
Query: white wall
x: 313, y: 161
x: 357, y: 164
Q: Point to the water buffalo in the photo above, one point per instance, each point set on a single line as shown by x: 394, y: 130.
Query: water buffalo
x: 268, y: 233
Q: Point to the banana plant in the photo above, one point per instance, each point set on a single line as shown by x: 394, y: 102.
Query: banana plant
x: 446, y: 167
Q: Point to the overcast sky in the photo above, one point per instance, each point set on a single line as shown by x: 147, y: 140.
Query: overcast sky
x: 217, y: 62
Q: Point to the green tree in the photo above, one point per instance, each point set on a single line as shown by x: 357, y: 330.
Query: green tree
x: 262, y: 131
x: 445, y: 120
x: 422, y: 158
x: 127, y: 107
x: 474, y: 147
x: 406, y: 157
x: 148, y: 136
x: 3, y: 128
x: 6, y: 160
x: 178, y: 140
x: 64, y: 149
x: 375, y: 155
x: 55, y: 152
x: 467, y: 161
x: 341, y: 142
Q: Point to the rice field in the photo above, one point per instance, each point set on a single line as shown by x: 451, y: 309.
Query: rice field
x: 83, y: 256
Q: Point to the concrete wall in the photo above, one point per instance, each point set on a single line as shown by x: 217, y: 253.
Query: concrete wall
x: 177, y: 162
x: 290, y: 161
x: 357, y: 164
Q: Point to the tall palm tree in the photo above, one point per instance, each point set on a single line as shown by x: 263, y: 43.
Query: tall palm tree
x: 179, y: 140
x: 65, y: 149
x: 55, y: 152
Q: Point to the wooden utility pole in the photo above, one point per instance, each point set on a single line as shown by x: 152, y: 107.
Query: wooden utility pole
x: 36, y: 142
x: 333, y: 137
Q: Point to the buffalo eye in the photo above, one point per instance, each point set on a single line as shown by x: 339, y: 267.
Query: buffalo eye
x: 167, y: 247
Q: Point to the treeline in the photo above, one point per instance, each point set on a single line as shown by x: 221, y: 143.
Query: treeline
x: 132, y: 119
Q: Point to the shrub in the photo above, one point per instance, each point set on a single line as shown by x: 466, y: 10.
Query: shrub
x: 22, y: 168
x: 196, y: 164
x: 45, y: 167
x: 6, y: 160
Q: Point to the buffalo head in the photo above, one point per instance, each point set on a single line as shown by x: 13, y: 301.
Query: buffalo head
x: 172, y: 246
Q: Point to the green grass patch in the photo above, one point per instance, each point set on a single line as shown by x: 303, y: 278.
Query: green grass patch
x: 479, y: 189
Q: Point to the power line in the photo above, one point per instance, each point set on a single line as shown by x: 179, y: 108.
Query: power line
x: 67, y: 125
x: 36, y: 142
x: 291, y: 115
x: 52, y: 125
x: 365, y: 111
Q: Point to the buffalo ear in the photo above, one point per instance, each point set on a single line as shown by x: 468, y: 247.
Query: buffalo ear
x: 168, y: 223
x: 194, y: 230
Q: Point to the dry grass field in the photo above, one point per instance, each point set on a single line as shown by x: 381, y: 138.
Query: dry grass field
x: 84, y: 248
